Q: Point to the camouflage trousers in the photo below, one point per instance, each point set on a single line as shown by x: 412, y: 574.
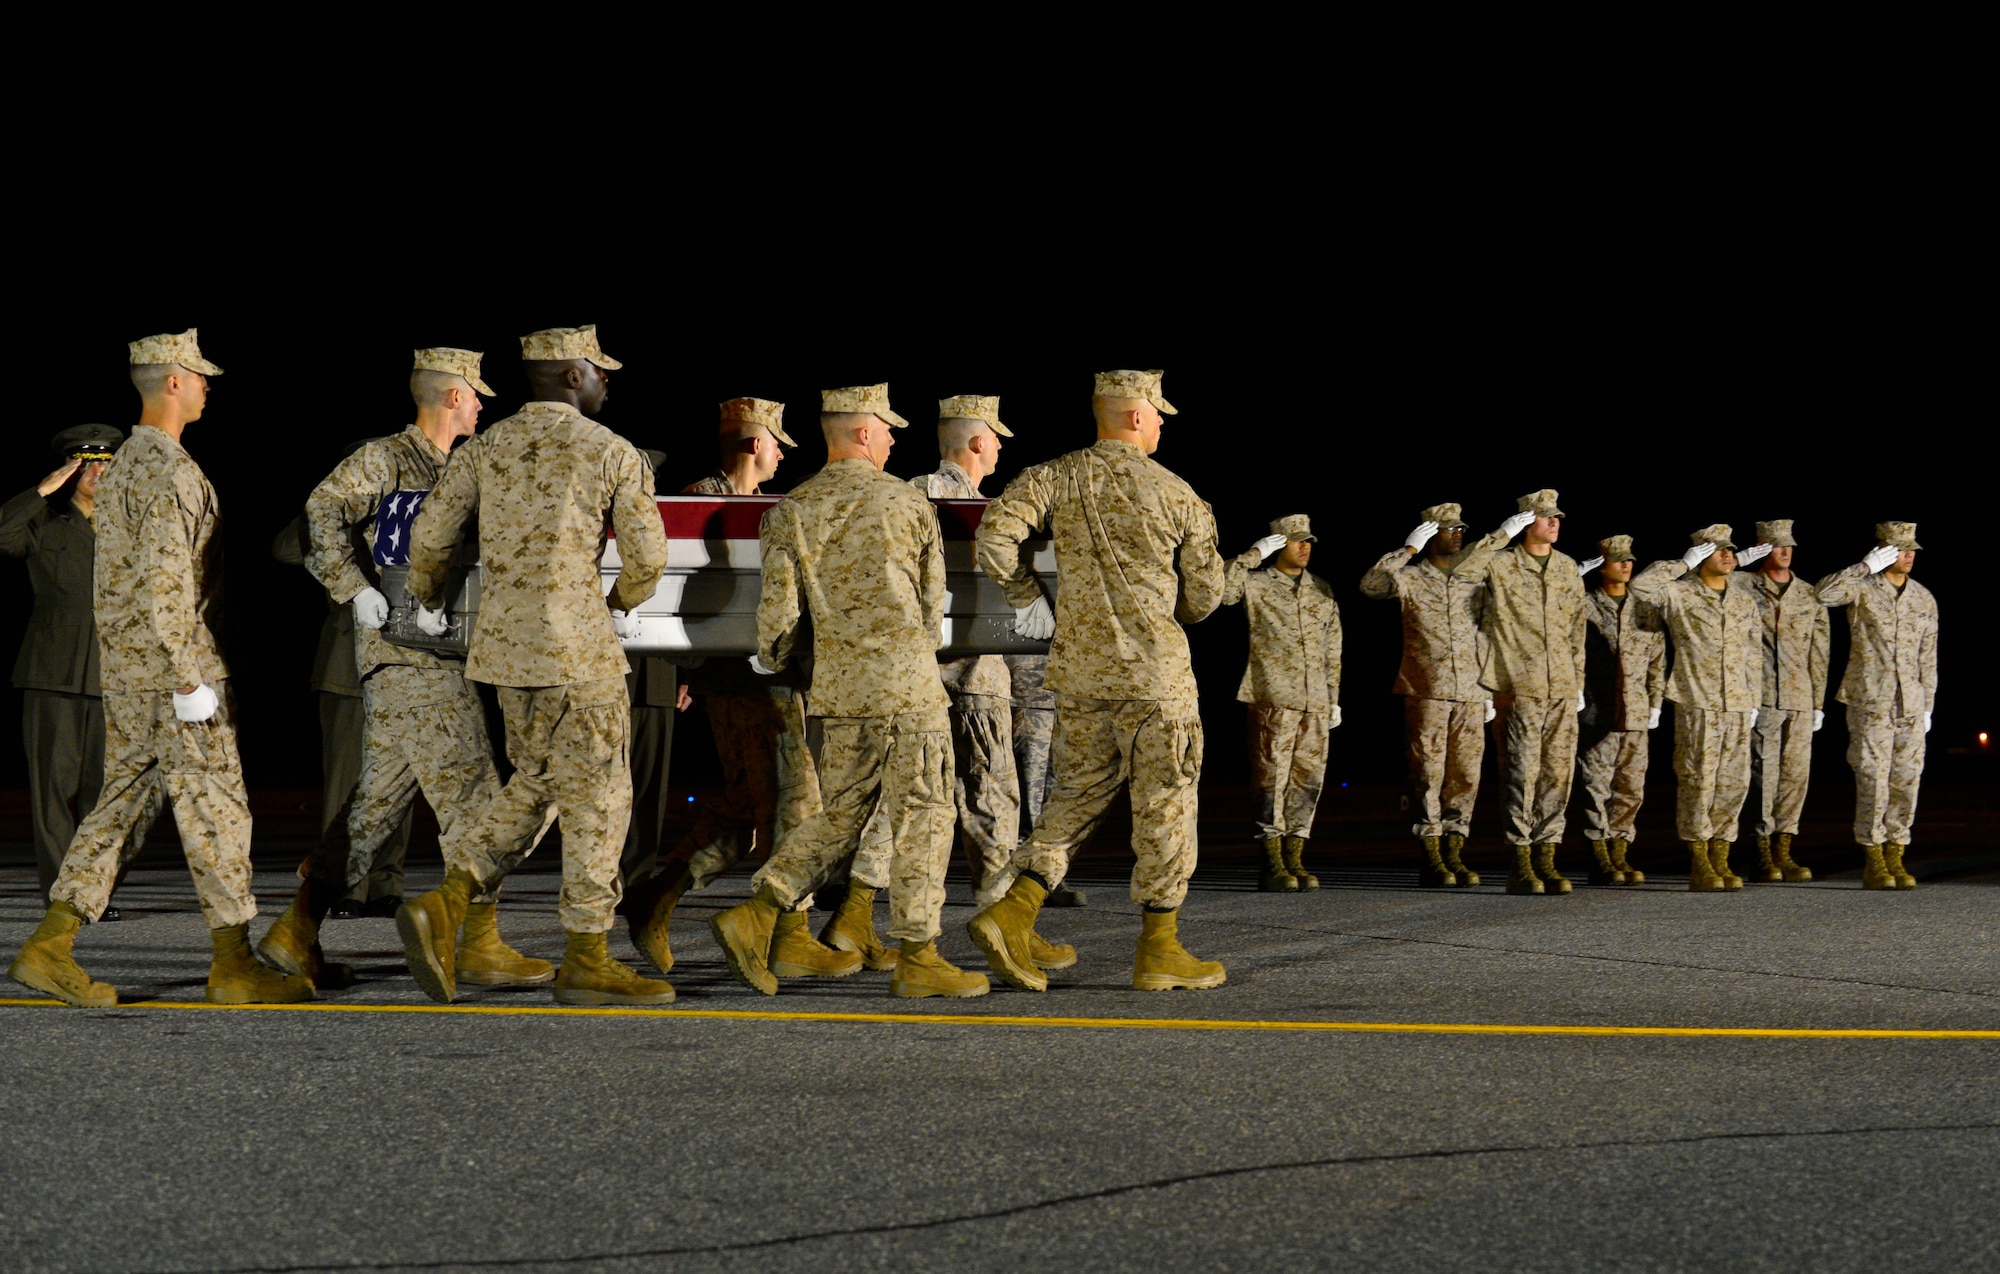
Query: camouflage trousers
x: 152, y: 759
x: 1445, y: 741
x: 1288, y: 765
x: 1536, y: 739
x: 1712, y: 762
x: 1887, y: 754
x: 569, y: 747
x: 1034, y: 730
x: 903, y: 766
x: 1101, y: 745
x: 341, y: 726
x: 1781, y: 762
x: 1611, y: 765
x: 769, y: 783
x: 987, y: 790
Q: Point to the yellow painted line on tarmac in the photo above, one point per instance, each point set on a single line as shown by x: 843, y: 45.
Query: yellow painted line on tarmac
x: 1094, y: 1023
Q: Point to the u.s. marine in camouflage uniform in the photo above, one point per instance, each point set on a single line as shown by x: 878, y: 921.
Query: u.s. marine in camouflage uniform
x: 1890, y: 689
x: 1445, y: 709
x: 864, y: 553
x: 543, y: 484
x: 169, y: 713
x: 1624, y: 686
x: 1291, y: 685
x: 1716, y: 686
x: 1797, y: 638
x: 1136, y: 548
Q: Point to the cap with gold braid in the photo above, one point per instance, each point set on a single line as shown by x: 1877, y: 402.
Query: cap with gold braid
x: 87, y: 442
x: 559, y: 344
x: 866, y: 400
x: 758, y: 412
x: 180, y: 348
x: 457, y: 362
x: 974, y: 407
x: 1129, y: 384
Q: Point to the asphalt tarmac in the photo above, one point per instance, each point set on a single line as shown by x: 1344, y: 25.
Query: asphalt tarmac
x: 1256, y: 1126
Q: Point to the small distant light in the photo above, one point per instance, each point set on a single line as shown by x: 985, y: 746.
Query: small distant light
x: 1343, y: 785
x: 690, y: 800
x: 1982, y: 738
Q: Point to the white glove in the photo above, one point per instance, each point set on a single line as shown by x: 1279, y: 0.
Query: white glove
x: 1514, y: 525
x: 1927, y: 719
x: 1819, y: 719
x: 371, y: 609
x: 1588, y: 564
x: 1697, y: 555
x: 1038, y: 622
x: 199, y: 706
x: 432, y: 623
x: 1880, y: 558
x: 626, y: 625
x: 1335, y: 719
x: 1421, y: 536
x: 1579, y: 701
x: 1753, y: 717
x: 1491, y: 713
x: 1270, y: 544
x: 1653, y: 721
x: 1755, y: 553
x: 757, y: 666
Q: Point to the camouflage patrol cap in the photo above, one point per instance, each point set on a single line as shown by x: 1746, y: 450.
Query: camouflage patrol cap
x: 1296, y: 527
x: 861, y: 400
x: 974, y: 407
x: 457, y: 362
x: 1615, y: 548
x: 1540, y: 503
x: 558, y: 344
x: 1897, y: 535
x: 87, y: 442
x: 1449, y: 517
x: 1144, y: 385
x: 180, y: 348
x: 762, y: 412
x: 1718, y: 534
x: 1777, y: 534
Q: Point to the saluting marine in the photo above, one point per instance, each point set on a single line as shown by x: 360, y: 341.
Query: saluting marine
x: 169, y: 713
x: 1624, y: 687
x: 1890, y: 689
x: 1797, y: 638
x: 1292, y: 687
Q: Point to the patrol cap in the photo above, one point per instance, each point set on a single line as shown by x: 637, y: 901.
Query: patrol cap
x: 1296, y: 527
x: 974, y: 407
x: 1449, y: 517
x: 762, y: 412
x: 457, y: 362
x: 87, y: 442
x: 171, y: 348
x: 1718, y: 534
x: 861, y: 400
x: 1897, y: 535
x: 1144, y: 385
x: 1540, y: 503
x: 558, y: 344
x: 1777, y: 534
x: 654, y: 457
x: 1615, y: 548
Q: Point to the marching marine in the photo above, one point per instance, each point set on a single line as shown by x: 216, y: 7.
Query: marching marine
x: 1890, y: 689
x: 1797, y: 637
x: 1624, y: 687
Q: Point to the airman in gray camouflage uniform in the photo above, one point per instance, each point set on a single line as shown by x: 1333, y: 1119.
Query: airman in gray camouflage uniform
x: 1797, y: 638
x: 169, y: 717
x: 864, y: 551
x: 1716, y: 686
x: 543, y: 483
x: 1292, y: 687
x: 1624, y: 686
x: 1890, y: 689
x: 1136, y: 547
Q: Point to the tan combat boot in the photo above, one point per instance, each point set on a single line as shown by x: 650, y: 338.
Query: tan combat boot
x: 649, y: 906
x: 1619, y: 847
x: 795, y: 953
x: 1767, y: 872
x: 1049, y: 956
x: 485, y: 960
x: 1701, y: 875
x: 1454, y: 845
x: 1005, y: 932
x: 1274, y: 878
x: 428, y: 925
x: 1432, y: 872
x: 1553, y: 881
x: 1874, y: 873
x: 45, y: 964
x: 1892, y: 861
x: 744, y: 933
x: 921, y: 971
x: 853, y: 929
x: 591, y: 977
x: 1781, y: 855
x: 1522, y: 879
x: 1295, y: 852
x: 1163, y: 964
x: 292, y: 941
x: 236, y: 977
x: 1718, y: 860
x: 1603, y: 871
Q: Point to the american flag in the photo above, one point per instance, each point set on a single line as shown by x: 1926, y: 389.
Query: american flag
x: 392, y: 527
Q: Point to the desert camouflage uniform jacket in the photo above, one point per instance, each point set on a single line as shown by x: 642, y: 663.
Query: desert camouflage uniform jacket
x: 1797, y: 637
x: 864, y: 550
x: 1443, y: 644
x: 974, y: 674
x: 1718, y: 638
x: 713, y: 484
x: 1625, y: 671
x: 542, y: 483
x: 1892, y: 658
x: 1294, y: 636
x: 1535, y: 620
x: 1135, y: 548
x: 158, y: 589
